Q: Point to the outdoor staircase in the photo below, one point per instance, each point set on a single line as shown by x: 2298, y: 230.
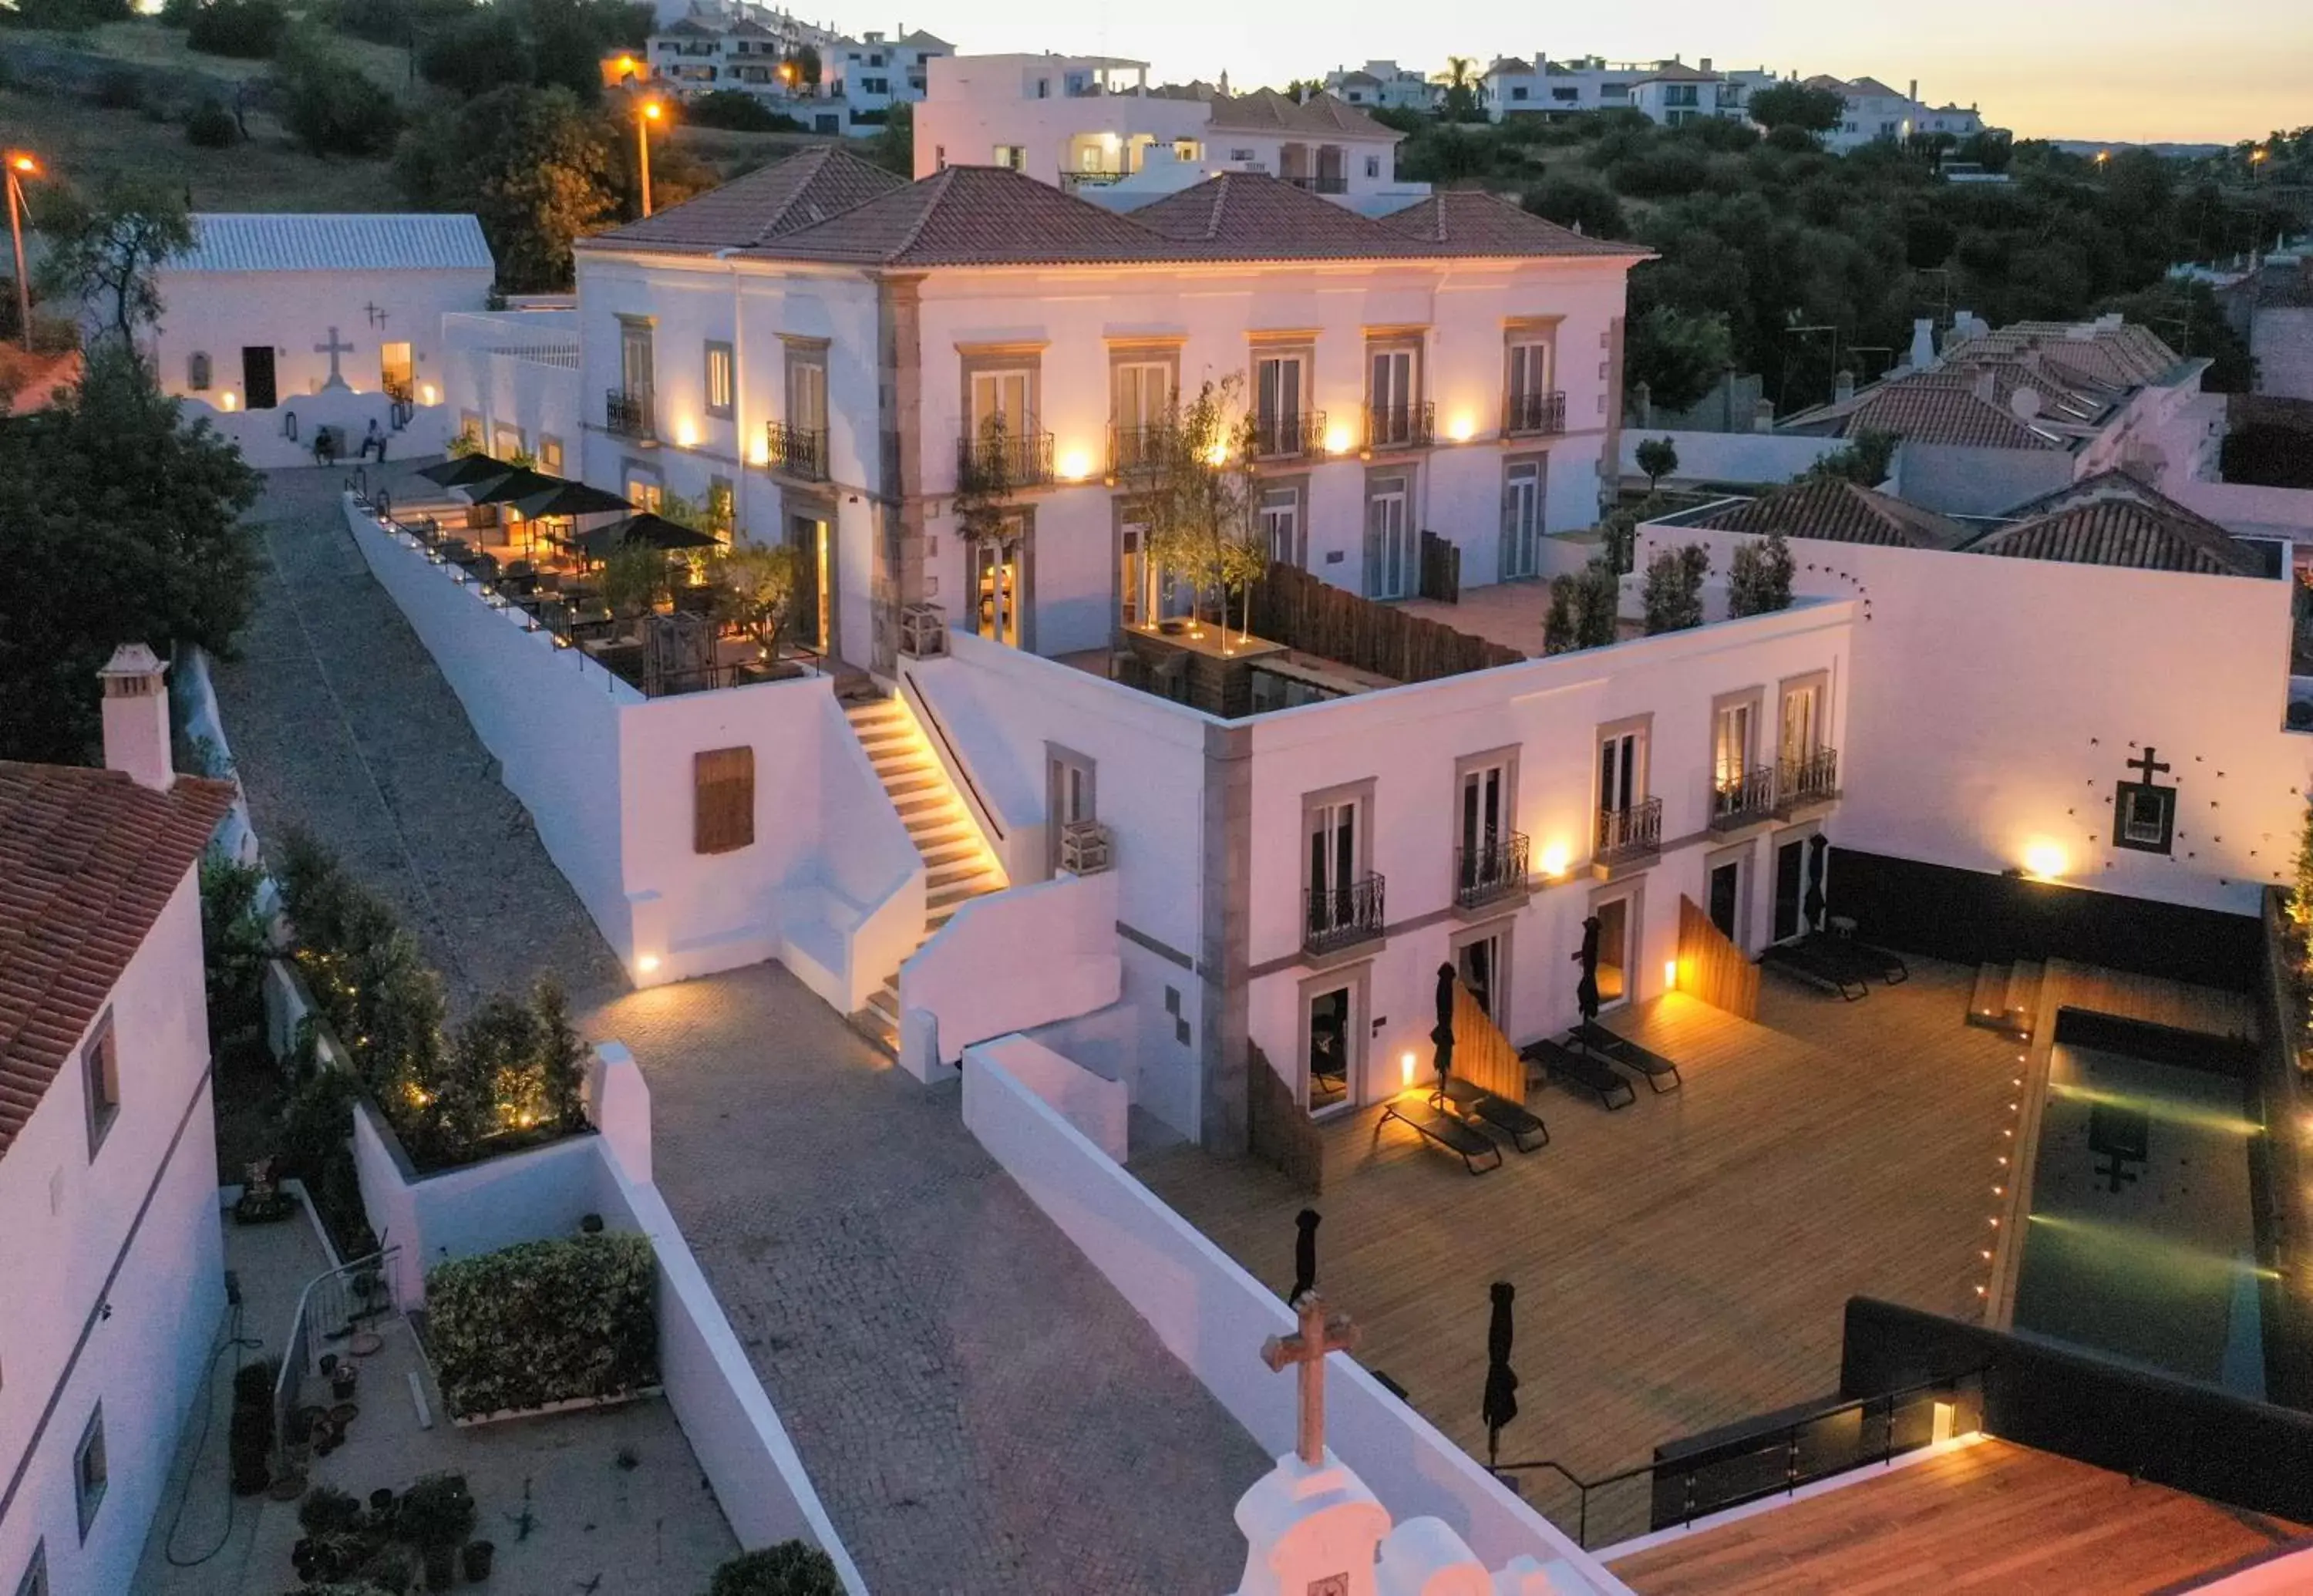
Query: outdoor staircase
x: 959, y: 864
x: 2006, y: 997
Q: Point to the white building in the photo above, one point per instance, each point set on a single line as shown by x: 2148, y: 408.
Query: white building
x: 1384, y: 84
x: 275, y: 326
x: 109, y: 1237
x: 1667, y: 92
x: 1089, y: 121
x: 755, y: 50
x: 1874, y: 111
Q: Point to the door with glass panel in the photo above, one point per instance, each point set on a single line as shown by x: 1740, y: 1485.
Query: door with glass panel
x: 1277, y: 404
x: 1723, y: 895
x: 1478, y: 964
x: 1798, y: 740
x: 1001, y: 399
x: 1143, y: 403
x: 1730, y: 758
x: 994, y: 568
x: 1389, y: 541
x: 1791, y: 883
x: 1332, y: 844
x: 1329, y: 1039
x: 1481, y: 863
x: 635, y: 366
x: 1529, y: 389
x: 1280, y: 524
x: 1622, y: 789
x: 1615, y: 951
x: 1522, y: 520
x: 807, y: 413
x: 1390, y: 397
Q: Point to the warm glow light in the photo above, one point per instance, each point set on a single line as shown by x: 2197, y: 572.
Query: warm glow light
x: 20, y: 161
x: 1405, y: 1068
x: 647, y: 963
x: 1075, y: 465
x: 653, y: 110
x: 428, y: 393
x: 1462, y: 429
x: 1337, y: 440
x: 2044, y: 860
x: 1555, y: 858
x: 626, y: 63
x: 1218, y: 454
x: 686, y: 434
x: 226, y: 401
x: 1670, y: 972
x: 761, y: 453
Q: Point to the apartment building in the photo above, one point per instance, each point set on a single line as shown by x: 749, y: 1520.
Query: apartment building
x: 1384, y: 84
x: 1667, y: 92
x: 755, y: 50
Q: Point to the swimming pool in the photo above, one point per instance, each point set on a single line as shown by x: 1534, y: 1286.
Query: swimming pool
x: 2140, y: 1240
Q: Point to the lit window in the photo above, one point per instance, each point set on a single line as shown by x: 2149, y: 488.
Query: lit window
x: 720, y: 380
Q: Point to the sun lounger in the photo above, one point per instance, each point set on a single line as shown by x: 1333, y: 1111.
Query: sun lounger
x: 1863, y: 958
x: 1514, y: 1120
x: 1628, y: 1054
x: 1807, y: 960
x: 1475, y: 1149
x: 1591, y: 1073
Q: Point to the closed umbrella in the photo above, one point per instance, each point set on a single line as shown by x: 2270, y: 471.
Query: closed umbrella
x: 1815, y: 905
x: 461, y: 470
x: 1305, y: 1254
x: 570, y: 498
x: 1441, y: 1036
x: 1500, y: 1406
x: 1586, y: 990
x: 653, y: 530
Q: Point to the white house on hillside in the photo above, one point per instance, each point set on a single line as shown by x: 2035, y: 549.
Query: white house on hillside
x: 1384, y: 84
x: 109, y: 1237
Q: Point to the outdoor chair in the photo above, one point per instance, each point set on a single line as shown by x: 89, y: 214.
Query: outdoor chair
x: 1474, y: 1148
x: 1592, y: 1074
x: 1472, y: 1101
x: 1621, y: 1050
x: 1805, y: 959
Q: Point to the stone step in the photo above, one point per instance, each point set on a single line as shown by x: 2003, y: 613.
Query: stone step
x: 977, y: 885
x: 885, y: 1000
x: 1987, y: 1005
x: 975, y: 877
x: 900, y: 783
x: 2024, y: 995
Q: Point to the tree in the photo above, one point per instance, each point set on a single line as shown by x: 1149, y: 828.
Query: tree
x: 806, y: 62
x: 1583, y: 608
x: 1864, y: 461
x: 738, y: 111
x: 1200, y: 494
x: 1673, y: 590
x: 333, y: 107
x: 1657, y: 457
x: 476, y: 53
x: 251, y: 29
x: 1759, y: 577
x: 1581, y: 203
x: 1460, y: 102
x: 1679, y: 355
x: 123, y: 525
x: 1796, y: 105
x: 104, y: 251
x: 209, y: 126
x: 531, y: 163
x: 757, y: 587
x: 894, y: 148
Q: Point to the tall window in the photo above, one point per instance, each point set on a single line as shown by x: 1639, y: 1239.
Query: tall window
x: 1798, y: 740
x: 1000, y: 395
x: 1068, y: 797
x: 506, y: 441
x: 1522, y: 519
x: 1389, y: 540
x: 549, y: 453
x: 1621, y: 771
x: 723, y: 799
x: 1390, y: 396
x: 90, y: 1477
x: 1484, y: 824
x: 1334, y: 862
x: 1730, y: 745
x: 1279, y: 382
x: 1141, y: 392
x: 99, y: 1069
x: 1281, y: 524
x: 635, y: 358
x: 644, y: 490
x: 1012, y: 155
x: 721, y: 380
x: 806, y: 392
x: 1529, y: 387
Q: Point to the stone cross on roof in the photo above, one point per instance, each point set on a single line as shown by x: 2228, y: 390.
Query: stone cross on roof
x: 1308, y: 1347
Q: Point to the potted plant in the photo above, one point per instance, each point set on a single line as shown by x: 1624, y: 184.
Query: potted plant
x: 437, y: 1515
x: 477, y: 1558
x: 343, y: 1380
x: 790, y: 1568
x: 590, y: 1223
x: 756, y: 589
x: 250, y: 1439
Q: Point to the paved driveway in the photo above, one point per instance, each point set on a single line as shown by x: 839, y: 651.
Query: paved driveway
x: 979, y: 1410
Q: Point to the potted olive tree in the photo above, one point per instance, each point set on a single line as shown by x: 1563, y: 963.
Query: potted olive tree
x: 756, y: 589
x: 437, y: 1515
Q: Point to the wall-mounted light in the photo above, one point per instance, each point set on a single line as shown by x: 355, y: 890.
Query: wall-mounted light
x: 1075, y: 465
x: 686, y: 434
x: 2044, y: 860
x: 1670, y: 973
x: 1555, y: 858
x: 647, y: 964
x: 1462, y: 429
x: 1337, y: 440
x: 428, y: 393
x: 226, y: 401
x: 1405, y: 1069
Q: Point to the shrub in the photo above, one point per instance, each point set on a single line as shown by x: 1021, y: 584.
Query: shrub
x: 790, y: 1568
x: 436, y: 1512
x: 1673, y: 595
x: 249, y: 1437
x: 542, y: 1322
x: 1577, y: 202
x: 739, y: 112
x: 1583, y: 607
x: 250, y: 29
x: 120, y: 88
x: 328, y: 1511
x: 1759, y: 577
x: 209, y: 126
x: 332, y: 108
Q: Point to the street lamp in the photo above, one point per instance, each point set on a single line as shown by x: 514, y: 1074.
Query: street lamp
x: 20, y: 165
x: 648, y: 113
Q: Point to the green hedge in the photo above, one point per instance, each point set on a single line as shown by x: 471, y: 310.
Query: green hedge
x: 543, y: 1321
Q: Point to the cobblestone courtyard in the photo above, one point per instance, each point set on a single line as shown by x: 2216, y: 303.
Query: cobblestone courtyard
x: 979, y: 1410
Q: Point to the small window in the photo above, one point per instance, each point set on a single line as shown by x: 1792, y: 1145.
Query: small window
x: 1012, y: 155
x: 99, y: 1064
x: 723, y: 803
x: 1373, y: 166
x: 2145, y: 818
x: 89, y: 1478
x: 720, y: 383
x: 506, y: 442
x: 549, y: 453
x: 35, y: 1582
x: 196, y: 372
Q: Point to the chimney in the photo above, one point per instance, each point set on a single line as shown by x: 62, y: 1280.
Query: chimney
x: 1923, y: 343
x: 1842, y: 387
x: 1706, y: 64
x: 137, y: 716
x: 1763, y: 416
x: 1914, y: 95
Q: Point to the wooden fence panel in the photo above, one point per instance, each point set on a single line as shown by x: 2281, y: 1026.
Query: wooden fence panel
x: 1713, y: 968
x: 1307, y: 613
x: 1280, y: 1131
x: 1482, y: 1055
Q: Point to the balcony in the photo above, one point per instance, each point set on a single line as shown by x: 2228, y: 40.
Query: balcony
x: 1291, y: 435
x: 1533, y: 415
x: 797, y: 451
x: 1491, y: 873
x: 1073, y: 182
x: 1390, y: 426
x: 996, y: 460
x: 1628, y: 836
x: 629, y: 412
x: 1745, y: 800
x: 1321, y: 185
x: 1139, y: 451
x: 1813, y: 780
x: 1339, y: 917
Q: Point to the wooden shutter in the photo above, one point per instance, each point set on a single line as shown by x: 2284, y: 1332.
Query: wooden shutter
x: 723, y: 802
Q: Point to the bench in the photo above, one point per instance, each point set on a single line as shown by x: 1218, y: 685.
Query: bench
x: 1514, y: 1120
x: 1475, y: 1149
x: 1592, y: 1074
x: 1628, y: 1054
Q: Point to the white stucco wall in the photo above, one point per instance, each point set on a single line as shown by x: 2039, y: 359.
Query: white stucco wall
x: 2281, y: 339
x: 66, y: 1220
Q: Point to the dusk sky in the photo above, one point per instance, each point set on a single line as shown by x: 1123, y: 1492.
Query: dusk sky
x: 2139, y: 70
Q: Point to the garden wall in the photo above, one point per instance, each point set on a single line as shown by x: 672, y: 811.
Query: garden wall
x: 1730, y: 456
x: 1010, y: 961
x: 1213, y: 1315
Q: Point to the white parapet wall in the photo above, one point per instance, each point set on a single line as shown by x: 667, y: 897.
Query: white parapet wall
x: 1015, y: 960
x: 285, y: 435
x: 1730, y: 456
x: 1214, y: 1317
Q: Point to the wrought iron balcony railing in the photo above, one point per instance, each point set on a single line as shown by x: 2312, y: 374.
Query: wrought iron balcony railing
x: 1535, y: 414
x: 1738, y: 801
x: 1813, y: 780
x: 1494, y: 870
x: 1401, y: 425
x: 1021, y: 459
x: 1288, y: 435
x: 1134, y: 450
x: 1339, y: 916
x: 798, y: 450
x: 629, y: 412
x: 1630, y: 832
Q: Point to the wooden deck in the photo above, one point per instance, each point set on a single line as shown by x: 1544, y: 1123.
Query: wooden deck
x: 1681, y: 1263
x: 1988, y: 1517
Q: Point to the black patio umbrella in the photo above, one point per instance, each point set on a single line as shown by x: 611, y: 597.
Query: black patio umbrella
x: 1500, y: 1406
x: 1586, y: 990
x: 514, y: 483
x: 1441, y: 1034
x: 461, y: 470
x: 652, y: 531
x: 1305, y: 1254
x: 1815, y: 905
x: 570, y: 498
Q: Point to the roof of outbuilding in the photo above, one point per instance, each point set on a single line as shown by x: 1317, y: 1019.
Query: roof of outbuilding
x: 787, y: 197
x: 1931, y: 408
x: 972, y: 215
x: 88, y: 859
x: 231, y: 240
x: 1838, y: 511
x: 2114, y: 519
x: 1266, y: 111
x: 1473, y: 222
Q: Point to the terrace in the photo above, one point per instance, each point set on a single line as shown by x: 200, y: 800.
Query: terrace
x: 1682, y: 1264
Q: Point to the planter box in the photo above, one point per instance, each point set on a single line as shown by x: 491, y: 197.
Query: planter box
x: 573, y: 1405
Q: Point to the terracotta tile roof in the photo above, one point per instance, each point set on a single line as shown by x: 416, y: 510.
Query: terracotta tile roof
x: 974, y: 216
x: 1931, y: 409
x: 1252, y: 216
x: 1469, y: 221
x: 1266, y: 111
x: 787, y: 197
x: 1505, y: 64
x: 1838, y: 511
x: 2114, y: 519
x: 88, y: 859
x: 2122, y: 356
x: 1673, y: 72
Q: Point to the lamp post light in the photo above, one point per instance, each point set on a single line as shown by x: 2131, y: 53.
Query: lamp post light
x: 20, y: 165
x: 649, y: 111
